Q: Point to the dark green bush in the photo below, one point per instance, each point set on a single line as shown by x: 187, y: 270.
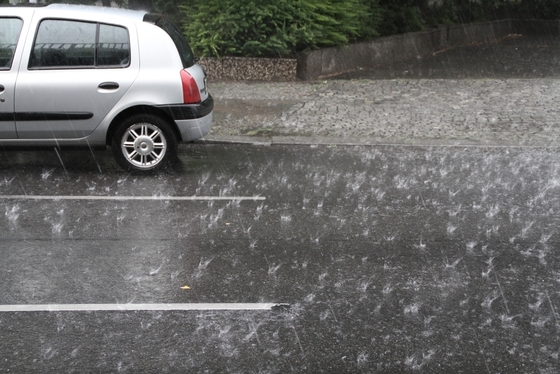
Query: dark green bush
x: 541, y: 9
x: 267, y: 29
x: 170, y: 8
x: 250, y: 28
x: 400, y: 16
x: 262, y: 28
x: 470, y: 11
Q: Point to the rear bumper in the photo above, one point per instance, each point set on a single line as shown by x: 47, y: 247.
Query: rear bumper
x: 180, y: 112
x: 193, y: 120
x: 193, y: 129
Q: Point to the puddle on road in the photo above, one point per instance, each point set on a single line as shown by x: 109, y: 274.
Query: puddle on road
x: 249, y: 117
x: 239, y: 108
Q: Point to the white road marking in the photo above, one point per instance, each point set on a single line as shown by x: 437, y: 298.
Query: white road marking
x: 130, y: 198
x: 138, y: 307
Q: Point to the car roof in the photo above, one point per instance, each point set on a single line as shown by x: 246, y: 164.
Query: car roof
x: 73, y: 10
x: 101, y: 10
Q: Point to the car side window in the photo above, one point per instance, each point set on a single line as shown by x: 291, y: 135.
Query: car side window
x: 113, y: 46
x: 76, y: 44
x: 61, y: 43
x: 9, y: 34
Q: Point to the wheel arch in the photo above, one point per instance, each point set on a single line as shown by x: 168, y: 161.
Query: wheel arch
x: 140, y: 109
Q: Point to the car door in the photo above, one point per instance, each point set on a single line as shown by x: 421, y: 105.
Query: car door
x: 76, y: 73
x: 10, y: 28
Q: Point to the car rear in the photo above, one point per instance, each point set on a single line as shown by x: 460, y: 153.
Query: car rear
x: 194, y: 115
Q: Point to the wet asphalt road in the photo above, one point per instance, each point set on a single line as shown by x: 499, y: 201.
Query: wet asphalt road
x: 392, y: 260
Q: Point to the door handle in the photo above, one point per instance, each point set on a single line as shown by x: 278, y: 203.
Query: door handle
x: 109, y: 85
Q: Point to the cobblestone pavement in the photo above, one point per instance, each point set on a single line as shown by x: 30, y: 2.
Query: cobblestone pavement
x: 495, y: 101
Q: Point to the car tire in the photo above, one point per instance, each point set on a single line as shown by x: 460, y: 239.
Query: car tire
x: 144, y: 143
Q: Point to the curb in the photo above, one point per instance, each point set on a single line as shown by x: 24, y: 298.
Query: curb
x: 356, y: 142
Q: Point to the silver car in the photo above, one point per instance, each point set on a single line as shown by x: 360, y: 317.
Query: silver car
x: 74, y: 75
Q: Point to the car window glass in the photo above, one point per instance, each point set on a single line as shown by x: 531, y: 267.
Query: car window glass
x: 114, y: 48
x: 69, y: 44
x: 9, y: 33
x: 62, y: 43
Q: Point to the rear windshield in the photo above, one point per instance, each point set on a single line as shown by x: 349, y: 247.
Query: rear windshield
x: 183, y: 47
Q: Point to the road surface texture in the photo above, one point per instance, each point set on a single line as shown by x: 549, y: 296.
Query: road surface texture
x: 319, y: 241
x: 389, y: 259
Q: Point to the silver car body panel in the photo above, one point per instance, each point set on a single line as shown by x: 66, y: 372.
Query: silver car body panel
x: 8, y: 77
x: 8, y: 82
x: 195, y: 128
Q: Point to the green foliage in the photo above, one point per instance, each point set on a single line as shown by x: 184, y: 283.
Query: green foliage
x: 262, y: 28
x: 169, y: 8
x: 400, y: 16
x: 464, y: 11
x: 541, y: 9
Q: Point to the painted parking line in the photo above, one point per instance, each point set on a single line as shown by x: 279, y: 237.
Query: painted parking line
x: 141, y: 307
x: 132, y: 198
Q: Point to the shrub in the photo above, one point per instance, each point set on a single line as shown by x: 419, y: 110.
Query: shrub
x: 262, y: 28
x: 400, y: 16
x: 541, y: 9
x: 167, y: 7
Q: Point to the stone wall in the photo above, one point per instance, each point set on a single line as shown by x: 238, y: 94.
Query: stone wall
x: 249, y: 69
x: 332, y: 61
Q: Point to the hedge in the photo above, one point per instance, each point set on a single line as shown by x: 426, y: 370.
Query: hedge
x: 259, y: 28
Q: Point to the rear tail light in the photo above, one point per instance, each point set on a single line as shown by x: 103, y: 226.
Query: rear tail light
x: 191, y: 93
